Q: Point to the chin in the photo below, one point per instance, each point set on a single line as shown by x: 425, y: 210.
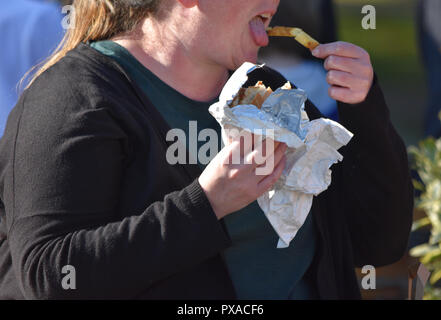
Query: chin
x: 253, y: 58
x: 249, y: 57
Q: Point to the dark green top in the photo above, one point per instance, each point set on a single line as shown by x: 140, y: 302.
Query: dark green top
x: 258, y: 269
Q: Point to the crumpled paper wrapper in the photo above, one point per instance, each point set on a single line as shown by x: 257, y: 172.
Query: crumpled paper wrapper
x: 312, y: 149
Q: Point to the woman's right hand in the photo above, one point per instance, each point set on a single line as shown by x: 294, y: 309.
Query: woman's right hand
x: 230, y: 187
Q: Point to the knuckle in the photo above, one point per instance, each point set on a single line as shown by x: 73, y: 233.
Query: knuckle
x: 359, y: 97
x: 370, y: 74
x: 256, y: 159
x: 337, y: 95
x: 366, y: 67
x: 365, y: 54
x: 233, y: 174
x: 331, y: 92
x: 343, y: 77
x: 332, y: 59
x: 366, y: 83
x: 329, y: 62
x: 365, y: 70
x: 251, y: 158
x: 339, y: 46
x: 362, y: 96
x: 331, y: 76
x: 337, y: 77
x: 362, y: 83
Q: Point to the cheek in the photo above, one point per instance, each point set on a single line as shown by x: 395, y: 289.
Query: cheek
x: 227, y: 35
x: 229, y: 40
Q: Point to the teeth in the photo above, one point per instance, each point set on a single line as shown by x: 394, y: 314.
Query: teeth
x: 265, y: 16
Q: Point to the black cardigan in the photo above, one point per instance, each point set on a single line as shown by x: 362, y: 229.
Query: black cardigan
x: 84, y: 182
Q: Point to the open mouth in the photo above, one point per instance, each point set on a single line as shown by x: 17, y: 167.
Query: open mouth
x: 266, y: 17
x: 258, y: 26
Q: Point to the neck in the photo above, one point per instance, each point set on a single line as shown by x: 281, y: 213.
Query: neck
x: 173, y: 63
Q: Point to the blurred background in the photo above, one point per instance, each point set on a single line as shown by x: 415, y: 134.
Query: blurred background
x: 396, y: 55
x: 405, y: 49
x: 29, y: 30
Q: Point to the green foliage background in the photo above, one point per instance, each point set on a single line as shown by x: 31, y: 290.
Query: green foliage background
x: 427, y: 161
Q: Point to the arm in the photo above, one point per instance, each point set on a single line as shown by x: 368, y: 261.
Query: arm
x: 67, y: 170
x: 378, y: 193
x: 376, y: 181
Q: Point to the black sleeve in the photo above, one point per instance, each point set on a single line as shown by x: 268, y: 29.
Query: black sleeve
x: 67, y: 169
x: 375, y: 179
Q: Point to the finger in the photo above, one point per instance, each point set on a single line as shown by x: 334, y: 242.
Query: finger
x: 246, y: 141
x: 231, y: 153
x: 240, y: 145
x: 270, y: 180
x: 353, y: 66
x: 271, y: 163
x: 240, y: 150
x: 346, y: 95
x: 263, y: 149
x: 279, y: 153
x: 340, y: 78
x: 259, y: 157
x: 266, y: 147
x: 339, y: 48
x: 341, y: 63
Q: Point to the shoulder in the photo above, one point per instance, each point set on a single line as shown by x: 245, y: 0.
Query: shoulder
x: 81, y: 80
x: 76, y: 94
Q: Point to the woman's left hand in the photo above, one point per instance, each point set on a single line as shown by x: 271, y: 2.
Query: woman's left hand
x: 350, y: 72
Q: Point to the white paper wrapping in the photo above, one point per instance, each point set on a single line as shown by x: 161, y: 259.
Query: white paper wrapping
x: 312, y: 149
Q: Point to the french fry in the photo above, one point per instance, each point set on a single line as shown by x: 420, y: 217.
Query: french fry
x: 302, y: 37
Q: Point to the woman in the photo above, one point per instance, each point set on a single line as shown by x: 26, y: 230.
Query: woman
x: 87, y: 190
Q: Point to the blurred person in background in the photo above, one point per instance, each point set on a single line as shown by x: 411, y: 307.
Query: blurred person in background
x: 315, y: 17
x: 30, y: 30
x: 429, y: 23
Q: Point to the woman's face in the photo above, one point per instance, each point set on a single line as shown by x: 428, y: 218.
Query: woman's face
x: 231, y: 32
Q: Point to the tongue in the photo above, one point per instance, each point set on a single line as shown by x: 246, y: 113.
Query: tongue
x: 258, y: 32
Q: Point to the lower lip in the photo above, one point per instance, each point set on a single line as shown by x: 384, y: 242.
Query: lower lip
x: 258, y: 32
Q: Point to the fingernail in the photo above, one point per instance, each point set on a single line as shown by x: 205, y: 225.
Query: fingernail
x: 315, y: 52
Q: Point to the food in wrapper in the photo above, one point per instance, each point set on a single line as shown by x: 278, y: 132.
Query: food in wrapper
x: 312, y: 145
x: 255, y: 95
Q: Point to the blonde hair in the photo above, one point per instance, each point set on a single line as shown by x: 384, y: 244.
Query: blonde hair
x: 96, y: 20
